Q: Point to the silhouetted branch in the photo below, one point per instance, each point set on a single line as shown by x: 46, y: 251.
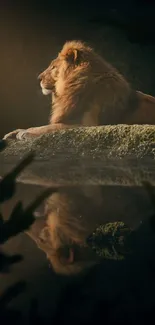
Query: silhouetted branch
x: 2, y: 145
x: 21, y: 219
x: 6, y: 261
x: 12, y: 292
x: 8, y: 183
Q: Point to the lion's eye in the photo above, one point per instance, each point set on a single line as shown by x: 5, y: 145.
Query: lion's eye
x: 54, y: 71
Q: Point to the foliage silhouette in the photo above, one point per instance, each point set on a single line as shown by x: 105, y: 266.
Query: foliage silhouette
x: 20, y: 220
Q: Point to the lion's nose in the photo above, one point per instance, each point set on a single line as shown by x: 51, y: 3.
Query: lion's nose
x: 40, y: 76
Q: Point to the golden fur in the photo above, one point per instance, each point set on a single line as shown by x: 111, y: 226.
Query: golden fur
x: 70, y: 216
x: 89, y: 91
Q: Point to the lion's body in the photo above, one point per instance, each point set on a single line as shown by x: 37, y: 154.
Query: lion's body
x: 89, y: 91
x: 71, y: 215
x: 144, y: 112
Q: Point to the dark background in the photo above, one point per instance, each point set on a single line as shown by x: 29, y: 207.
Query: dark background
x: 31, y: 34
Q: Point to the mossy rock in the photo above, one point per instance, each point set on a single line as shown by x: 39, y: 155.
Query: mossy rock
x: 110, y: 241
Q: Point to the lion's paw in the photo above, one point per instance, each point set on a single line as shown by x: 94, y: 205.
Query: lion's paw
x: 18, y: 134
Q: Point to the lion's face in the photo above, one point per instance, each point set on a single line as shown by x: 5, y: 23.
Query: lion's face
x: 49, y: 77
x: 71, y: 56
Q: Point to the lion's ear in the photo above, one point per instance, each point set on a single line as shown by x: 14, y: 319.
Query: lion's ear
x: 72, y: 56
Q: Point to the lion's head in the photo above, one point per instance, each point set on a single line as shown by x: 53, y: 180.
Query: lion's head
x: 48, y: 77
x: 84, y: 85
x: 74, y: 54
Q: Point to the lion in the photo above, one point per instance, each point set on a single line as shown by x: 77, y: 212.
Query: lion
x: 66, y: 222
x: 86, y: 90
x: 69, y: 217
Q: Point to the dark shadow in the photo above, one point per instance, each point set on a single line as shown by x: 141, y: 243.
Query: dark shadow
x: 134, y: 19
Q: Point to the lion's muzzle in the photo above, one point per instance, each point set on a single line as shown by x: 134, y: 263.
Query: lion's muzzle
x: 46, y: 84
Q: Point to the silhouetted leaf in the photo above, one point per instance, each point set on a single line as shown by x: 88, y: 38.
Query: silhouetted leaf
x: 6, y: 261
x: 3, y: 145
x: 8, y: 183
x: 12, y: 292
x: 20, y: 219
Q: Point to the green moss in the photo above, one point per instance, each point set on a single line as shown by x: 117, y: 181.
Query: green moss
x: 106, y: 155
x: 110, y: 240
x: 118, y: 141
